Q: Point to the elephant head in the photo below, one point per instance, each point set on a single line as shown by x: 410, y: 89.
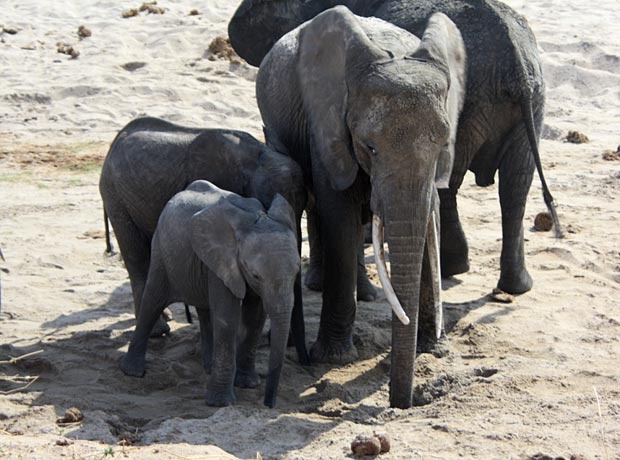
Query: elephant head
x: 246, y: 246
x: 380, y: 100
x: 253, y: 15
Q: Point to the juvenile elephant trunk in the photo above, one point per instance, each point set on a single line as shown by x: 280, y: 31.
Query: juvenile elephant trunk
x: 280, y: 326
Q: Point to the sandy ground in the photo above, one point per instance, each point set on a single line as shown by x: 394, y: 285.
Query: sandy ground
x: 538, y: 376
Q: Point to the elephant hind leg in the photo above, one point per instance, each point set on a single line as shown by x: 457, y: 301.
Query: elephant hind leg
x: 515, y: 177
x: 155, y: 299
x: 135, y: 248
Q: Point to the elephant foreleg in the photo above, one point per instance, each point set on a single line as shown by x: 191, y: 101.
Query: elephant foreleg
x: 314, y: 274
x: 253, y: 318
x: 366, y: 292
x: 454, y: 248
x: 341, y: 234
x: 471, y: 135
x: 225, y: 311
x: 206, y: 337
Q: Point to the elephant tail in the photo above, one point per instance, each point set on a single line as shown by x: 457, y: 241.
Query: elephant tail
x: 108, y: 242
x: 528, y: 119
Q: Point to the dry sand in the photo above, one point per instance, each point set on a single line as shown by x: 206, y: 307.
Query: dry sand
x: 540, y: 375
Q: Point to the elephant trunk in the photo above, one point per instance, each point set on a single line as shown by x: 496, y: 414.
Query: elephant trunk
x: 280, y: 325
x: 406, y: 234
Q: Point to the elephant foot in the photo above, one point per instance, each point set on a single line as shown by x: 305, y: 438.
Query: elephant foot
x: 334, y: 352
x: 314, y: 278
x: 220, y: 398
x: 246, y: 378
x: 439, y: 348
x: 454, y: 255
x: 161, y: 328
x: 133, y: 365
x: 453, y: 265
x: 515, y: 283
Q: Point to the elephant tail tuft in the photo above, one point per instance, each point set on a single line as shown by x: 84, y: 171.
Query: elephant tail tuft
x: 108, y: 242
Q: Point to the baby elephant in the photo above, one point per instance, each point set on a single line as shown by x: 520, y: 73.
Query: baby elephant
x: 235, y: 262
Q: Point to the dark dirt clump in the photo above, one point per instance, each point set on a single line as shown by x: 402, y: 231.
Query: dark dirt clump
x: 220, y: 48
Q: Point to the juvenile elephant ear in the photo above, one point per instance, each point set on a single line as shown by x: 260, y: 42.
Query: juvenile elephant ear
x: 214, y: 241
x: 443, y: 45
x: 325, y: 45
x: 281, y: 211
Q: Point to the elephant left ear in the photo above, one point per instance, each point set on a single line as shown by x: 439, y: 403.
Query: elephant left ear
x: 214, y: 241
x: 442, y: 44
x: 326, y: 44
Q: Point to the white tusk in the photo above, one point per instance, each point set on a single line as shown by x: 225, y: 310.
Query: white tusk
x: 377, y: 244
x: 436, y: 274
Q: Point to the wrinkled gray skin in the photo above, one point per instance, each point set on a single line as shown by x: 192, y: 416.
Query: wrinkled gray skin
x: 499, y: 126
x: 234, y: 261
x: 151, y: 160
x: 367, y: 110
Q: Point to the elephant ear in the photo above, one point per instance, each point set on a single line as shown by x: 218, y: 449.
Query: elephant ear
x: 443, y: 46
x: 281, y: 211
x: 214, y: 240
x: 325, y: 45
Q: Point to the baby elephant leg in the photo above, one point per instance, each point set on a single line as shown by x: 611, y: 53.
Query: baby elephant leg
x: 206, y: 337
x: 253, y: 319
x: 225, y: 311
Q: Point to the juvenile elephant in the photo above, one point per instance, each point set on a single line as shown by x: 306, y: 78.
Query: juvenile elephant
x: 502, y: 116
x: 235, y: 261
x: 369, y: 111
x: 151, y: 160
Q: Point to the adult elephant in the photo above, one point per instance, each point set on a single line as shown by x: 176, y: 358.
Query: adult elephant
x: 368, y: 111
x: 502, y: 116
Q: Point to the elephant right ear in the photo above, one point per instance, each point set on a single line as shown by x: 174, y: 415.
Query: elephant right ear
x: 442, y: 44
x: 324, y: 44
x: 214, y: 241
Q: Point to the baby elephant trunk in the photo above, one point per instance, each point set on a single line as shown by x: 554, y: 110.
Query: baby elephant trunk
x: 280, y: 326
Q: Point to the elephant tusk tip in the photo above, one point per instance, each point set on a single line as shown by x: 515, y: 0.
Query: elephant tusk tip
x: 404, y: 319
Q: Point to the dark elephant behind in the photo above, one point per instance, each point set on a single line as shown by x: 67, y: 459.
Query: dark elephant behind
x: 151, y: 160
x: 502, y: 116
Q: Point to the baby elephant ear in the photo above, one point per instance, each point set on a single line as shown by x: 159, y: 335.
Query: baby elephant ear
x: 282, y: 212
x: 214, y: 241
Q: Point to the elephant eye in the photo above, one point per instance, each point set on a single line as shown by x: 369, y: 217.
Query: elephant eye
x: 371, y: 149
